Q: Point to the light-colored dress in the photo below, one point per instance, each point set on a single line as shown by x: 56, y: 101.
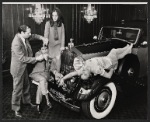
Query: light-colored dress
x: 96, y: 65
x: 54, y: 45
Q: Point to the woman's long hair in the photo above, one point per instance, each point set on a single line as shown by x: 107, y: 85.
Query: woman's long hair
x: 59, y: 20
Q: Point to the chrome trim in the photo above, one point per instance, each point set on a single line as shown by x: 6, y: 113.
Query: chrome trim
x: 139, y: 30
x: 100, y: 33
x: 63, y: 100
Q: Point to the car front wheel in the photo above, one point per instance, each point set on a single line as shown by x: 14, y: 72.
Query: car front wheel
x: 101, y: 105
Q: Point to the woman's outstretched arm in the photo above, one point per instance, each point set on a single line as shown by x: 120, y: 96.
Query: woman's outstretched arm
x: 70, y: 75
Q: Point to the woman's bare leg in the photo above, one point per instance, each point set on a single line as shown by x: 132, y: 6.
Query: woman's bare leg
x: 121, y: 50
x: 118, y: 51
x: 58, y: 63
x: 126, y: 50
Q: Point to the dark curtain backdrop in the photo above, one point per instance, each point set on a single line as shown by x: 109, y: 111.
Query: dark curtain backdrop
x: 76, y: 26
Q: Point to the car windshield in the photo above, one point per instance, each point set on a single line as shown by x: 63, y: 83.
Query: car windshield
x: 121, y: 33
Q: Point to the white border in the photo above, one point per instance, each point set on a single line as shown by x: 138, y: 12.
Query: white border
x: 75, y: 2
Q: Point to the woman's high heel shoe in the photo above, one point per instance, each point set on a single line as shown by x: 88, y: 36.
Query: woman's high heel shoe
x: 49, y: 105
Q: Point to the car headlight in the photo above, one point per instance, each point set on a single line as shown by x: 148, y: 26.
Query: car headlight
x: 84, y: 91
x: 72, y: 80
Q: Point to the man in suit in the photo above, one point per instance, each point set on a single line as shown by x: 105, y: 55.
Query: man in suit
x: 21, y: 55
x: 41, y: 74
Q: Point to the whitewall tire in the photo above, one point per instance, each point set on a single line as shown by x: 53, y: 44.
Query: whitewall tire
x: 101, y: 105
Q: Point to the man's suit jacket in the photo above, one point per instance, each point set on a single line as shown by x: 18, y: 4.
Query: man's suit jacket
x: 44, y: 66
x: 20, y: 55
x: 41, y: 68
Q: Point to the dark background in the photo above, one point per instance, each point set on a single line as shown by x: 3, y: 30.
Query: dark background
x: 76, y: 26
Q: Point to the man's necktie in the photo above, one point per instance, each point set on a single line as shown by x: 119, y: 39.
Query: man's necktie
x: 27, y: 47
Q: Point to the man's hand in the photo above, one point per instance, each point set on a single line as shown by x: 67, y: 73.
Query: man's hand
x: 62, y: 48
x: 39, y: 58
x: 58, y: 76
x: 61, y: 82
x: 45, y: 56
x: 45, y: 41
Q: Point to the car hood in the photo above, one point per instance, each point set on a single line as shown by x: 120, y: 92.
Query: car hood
x: 97, y: 49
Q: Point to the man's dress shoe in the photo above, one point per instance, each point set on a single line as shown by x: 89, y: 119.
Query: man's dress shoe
x: 18, y: 114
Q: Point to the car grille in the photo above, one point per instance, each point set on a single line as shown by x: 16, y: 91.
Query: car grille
x: 67, y: 58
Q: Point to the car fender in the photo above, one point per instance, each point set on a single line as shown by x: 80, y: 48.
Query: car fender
x: 98, y: 84
x: 129, y: 57
x: 128, y: 69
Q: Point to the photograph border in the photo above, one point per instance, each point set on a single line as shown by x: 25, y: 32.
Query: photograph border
x: 84, y: 1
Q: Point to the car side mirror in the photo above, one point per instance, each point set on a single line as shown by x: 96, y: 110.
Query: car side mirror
x: 144, y: 44
x: 119, y: 32
x: 95, y: 38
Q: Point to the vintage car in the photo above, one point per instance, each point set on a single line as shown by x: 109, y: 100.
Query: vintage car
x: 96, y: 96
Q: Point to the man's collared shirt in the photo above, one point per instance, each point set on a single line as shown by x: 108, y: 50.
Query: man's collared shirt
x: 23, y: 40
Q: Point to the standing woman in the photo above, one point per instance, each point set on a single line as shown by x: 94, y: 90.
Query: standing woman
x: 55, y: 32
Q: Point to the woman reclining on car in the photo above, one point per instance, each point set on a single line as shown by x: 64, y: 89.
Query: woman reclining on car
x: 98, y: 65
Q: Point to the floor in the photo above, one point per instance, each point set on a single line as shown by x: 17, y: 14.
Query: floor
x: 131, y: 107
